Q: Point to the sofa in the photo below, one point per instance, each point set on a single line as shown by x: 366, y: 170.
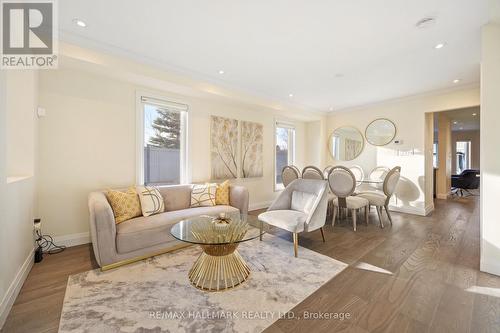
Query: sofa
x: 143, y: 237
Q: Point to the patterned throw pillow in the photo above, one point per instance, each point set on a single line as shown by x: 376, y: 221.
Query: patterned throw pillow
x: 222, y: 194
x: 203, y: 195
x: 125, y: 205
x: 151, y: 200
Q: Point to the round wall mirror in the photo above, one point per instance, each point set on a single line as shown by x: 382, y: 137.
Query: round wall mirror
x: 380, y: 132
x: 345, y: 143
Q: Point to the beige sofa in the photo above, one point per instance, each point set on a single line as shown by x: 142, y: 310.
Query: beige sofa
x: 142, y: 237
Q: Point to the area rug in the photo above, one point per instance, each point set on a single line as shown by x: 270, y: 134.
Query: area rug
x: 155, y: 295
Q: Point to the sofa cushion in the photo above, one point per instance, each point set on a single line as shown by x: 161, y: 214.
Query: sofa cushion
x: 143, y: 232
x: 176, y: 197
x: 125, y: 205
x: 290, y: 220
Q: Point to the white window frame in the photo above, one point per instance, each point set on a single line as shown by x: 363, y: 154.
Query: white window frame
x: 291, y: 148
x: 145, y: 97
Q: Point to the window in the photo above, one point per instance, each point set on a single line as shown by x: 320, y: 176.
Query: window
x: 162, y: 146
x: 463, y: 156
x: 285, y: 150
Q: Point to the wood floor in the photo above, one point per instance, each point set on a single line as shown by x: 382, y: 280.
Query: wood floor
x: 411, y: 277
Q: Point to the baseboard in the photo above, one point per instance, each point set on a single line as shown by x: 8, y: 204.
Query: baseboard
x: 259, y: 205
x: 429, y: 209
x: 73, y: 239
x: 409, y: 210
x: 15, y: 287
x: 442, y: 196
x: 490, y: 267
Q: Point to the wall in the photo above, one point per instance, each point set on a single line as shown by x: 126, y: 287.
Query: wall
x: 490, y: 137
x: 409, y: 116
x: 18, y: 100
x: 475, y: 138
x: 444, y: 172
x: 87, y: 139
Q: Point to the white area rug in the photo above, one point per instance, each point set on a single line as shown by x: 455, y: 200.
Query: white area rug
x: 155, y: 295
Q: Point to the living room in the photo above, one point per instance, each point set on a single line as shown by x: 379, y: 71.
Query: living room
x: 257, y: 128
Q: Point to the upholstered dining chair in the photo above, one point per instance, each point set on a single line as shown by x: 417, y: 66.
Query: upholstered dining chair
x: 381, y: 199
x: 326, y: 170
x: 301, y: 207
x: 312, y: 172
x: 342, y: 184
x: 289, y: 174
x: 358, y: 173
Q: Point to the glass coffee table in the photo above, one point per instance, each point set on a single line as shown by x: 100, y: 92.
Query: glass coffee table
x: 220, y: 266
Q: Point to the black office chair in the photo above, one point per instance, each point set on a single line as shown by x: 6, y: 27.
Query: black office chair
x: 466, y: 181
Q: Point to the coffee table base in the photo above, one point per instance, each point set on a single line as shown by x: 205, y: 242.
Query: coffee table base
x: 219, y: 267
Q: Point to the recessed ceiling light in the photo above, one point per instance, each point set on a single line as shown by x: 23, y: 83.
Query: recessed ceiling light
x: 221, y: 72
x: 456, y: 80
x: 461, y: 128
x: 439, y: 45
x: 290, y: 95
x: 455, y: 122
x: 426, y: 22
x: 80, y: 23
x: 331, y: 109
x: 474, y: 114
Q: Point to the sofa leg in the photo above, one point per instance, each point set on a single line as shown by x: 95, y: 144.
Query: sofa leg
x: 295, y: 244
x: 322, y: 234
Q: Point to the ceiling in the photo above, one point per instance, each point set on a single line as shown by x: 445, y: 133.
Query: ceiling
x: 330, y: 54
x: 464, y: 120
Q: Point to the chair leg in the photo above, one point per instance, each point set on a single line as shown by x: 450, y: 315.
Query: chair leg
x: 366, y: 214
x: 354, y: 214
x: 379, y: 213
x: 295, y: 243
x: 334, y: 215
x: 388, y: 214
x: 261, y: 227
x: 322, y: 234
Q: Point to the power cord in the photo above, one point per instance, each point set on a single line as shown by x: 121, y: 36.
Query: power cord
x: 46, y: 243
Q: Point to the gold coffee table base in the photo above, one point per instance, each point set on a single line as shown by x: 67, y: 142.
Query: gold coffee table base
x: 219, y: 267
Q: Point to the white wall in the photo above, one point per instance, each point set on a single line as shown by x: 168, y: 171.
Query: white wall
x: 87, y: 139
x: 490, y: 138
x: 409, y: 116
x: 18, y: 99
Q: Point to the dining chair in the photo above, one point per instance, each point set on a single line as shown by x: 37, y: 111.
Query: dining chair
x: 296, y: 169
x: 312, y: 172
x: 289, y: 174
x: 326, y: 170
x: 342, y: 184
x: 301, y: 207
x: 378, y: 173
x: 381, y: 199
x: 358, y: 173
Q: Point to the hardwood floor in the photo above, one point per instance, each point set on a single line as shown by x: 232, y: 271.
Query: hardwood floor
x: 411, y: 277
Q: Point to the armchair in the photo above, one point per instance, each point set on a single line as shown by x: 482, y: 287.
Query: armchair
x: 466, y: 181
x: 301, y: 207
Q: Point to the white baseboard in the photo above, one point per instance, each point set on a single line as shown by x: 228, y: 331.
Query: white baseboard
x: 259, y: 205
x: 490, y: 267
x: 73, y: 239
x: 429, y: 209
x: 409, y: 210
x: 15, y: 287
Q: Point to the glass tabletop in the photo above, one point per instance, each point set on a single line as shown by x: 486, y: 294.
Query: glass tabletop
x: 371, y: 181
x: 220, y: 229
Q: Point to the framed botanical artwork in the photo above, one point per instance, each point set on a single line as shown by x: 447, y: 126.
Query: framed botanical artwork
x: 223, y: 147
x: 251, y: 149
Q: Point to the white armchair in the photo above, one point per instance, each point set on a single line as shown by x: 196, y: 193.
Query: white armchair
x: 301, y: 207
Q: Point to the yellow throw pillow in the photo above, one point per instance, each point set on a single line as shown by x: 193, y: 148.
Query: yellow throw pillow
x: 126, y: 205
x: 222, y: 194
x: 203, y: 195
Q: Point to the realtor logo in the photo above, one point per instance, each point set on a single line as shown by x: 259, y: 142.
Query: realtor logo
x: 29, y: 34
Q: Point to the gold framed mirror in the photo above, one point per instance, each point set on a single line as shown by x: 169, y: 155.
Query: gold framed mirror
x: 380, y: 132
x: 345, y: 143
